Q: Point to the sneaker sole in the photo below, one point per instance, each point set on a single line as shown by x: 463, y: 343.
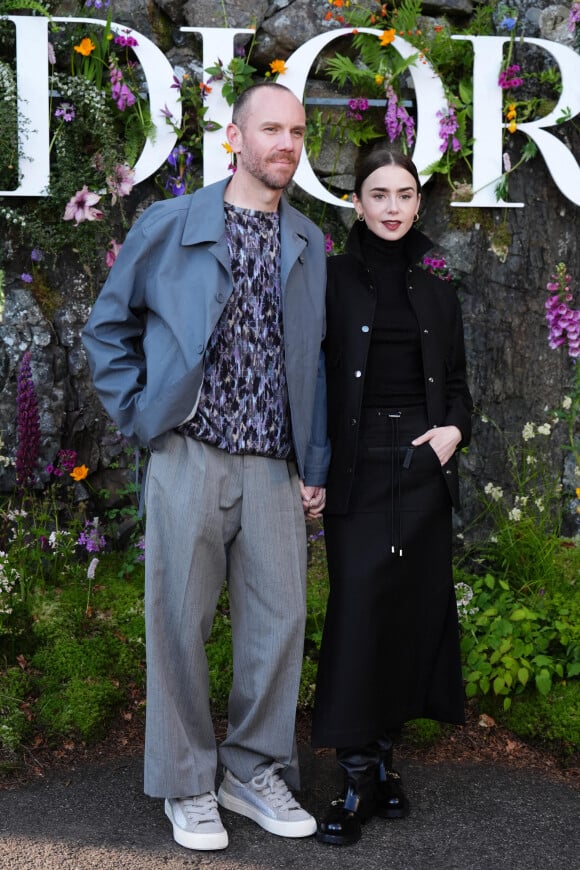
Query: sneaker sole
x: 304, y: 828
x: 191, y: 840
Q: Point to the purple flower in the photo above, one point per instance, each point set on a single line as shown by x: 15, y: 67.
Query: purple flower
x: 90, y: 538
x: 126, y: 41
x: 574, y: 17
x: 437, y: 266
x: 36, y: 255
x: 27, y: 278
x: 448, y: 126
x: 508, y: 23
x: 355, y: 107
x: 508, y: 80
x: 398, y: 120
x: 65, y: 111
x: 28, y: 425
x: 328, y: 243
x: 563, y: 321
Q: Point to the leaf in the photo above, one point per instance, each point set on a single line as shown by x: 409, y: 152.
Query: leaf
x: 543, y: 682
x: 499, y: 686
x: 523, y: 676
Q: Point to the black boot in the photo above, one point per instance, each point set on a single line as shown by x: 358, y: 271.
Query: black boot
x: 341, y: 825
x: 391, y: 800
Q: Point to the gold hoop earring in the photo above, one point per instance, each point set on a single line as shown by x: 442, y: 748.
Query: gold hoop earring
x: 416, y: 218
x: 360, y: 217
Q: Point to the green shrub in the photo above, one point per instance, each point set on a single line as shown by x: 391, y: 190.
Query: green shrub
x: 552, y: 719
x: 15, y: 724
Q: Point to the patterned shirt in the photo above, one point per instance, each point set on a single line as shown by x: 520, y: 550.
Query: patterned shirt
x: 243, y: 405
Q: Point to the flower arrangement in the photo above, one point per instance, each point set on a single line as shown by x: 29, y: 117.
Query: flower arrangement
x: 99, y: 121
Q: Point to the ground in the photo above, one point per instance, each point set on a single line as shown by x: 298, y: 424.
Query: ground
x: 480, y: 740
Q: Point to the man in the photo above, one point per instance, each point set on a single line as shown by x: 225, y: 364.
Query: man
x: 204, y: 344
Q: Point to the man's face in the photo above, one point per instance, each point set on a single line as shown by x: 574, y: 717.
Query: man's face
x: 268, y: 141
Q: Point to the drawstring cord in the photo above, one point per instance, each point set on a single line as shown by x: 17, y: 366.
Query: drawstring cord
x: 396, y: 487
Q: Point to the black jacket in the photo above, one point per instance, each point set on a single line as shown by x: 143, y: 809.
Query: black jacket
x: 350, y: 308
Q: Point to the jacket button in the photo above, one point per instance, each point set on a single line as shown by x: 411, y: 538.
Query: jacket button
x: 353, y: 421
x: 431, y: 380
x: 448, y: 471
x: 349, y: 469
x: 220, y: 297
x: 358, y: 373
x: 200, y: 348
x: 426, y: 331
x: 364, y: 328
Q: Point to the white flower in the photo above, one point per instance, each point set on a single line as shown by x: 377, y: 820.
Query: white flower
x: 539, y: 502
x: 544, y: 429
x: 515, y: 515
x: 528, y: 432
x: 494, y: 492
x: 567, y: 403
x: 531, y: 460
x: 92, y: 568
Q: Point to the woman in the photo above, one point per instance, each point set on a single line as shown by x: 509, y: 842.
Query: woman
x: 398, y: 410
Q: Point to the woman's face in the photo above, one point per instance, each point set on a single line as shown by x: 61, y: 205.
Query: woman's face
x: 389, y: 202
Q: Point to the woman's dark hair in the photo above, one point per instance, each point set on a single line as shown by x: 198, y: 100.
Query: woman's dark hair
x: 379, y: 157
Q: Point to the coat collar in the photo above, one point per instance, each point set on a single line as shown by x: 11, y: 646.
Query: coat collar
x: 205, y: 217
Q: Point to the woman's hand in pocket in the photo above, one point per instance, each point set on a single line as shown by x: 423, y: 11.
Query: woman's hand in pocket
x: 442, y: 439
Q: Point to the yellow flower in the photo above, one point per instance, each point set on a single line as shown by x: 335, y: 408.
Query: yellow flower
x: 278, y: 66
x: 387, y: 36
x: 79, y: 472
x: 578, y: 492
x: 511, y: 115
x: 379, y: 79
x: 227, y: 148
x: 85, y: 47
x: 512, y: 127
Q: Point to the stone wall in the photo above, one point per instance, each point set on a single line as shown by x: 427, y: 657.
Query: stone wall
x: 505, y: 257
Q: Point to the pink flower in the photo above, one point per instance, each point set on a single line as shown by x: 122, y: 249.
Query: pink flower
x: 112, y: 252
x: 80, y: 207
x: 121, y: 183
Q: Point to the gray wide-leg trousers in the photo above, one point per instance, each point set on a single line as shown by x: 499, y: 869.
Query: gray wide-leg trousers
x: 213, y: 516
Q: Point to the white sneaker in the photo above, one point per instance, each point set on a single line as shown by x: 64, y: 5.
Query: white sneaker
x: 196, y: 822
x: 267, y: 800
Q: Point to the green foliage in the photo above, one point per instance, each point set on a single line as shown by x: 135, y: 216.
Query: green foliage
x: 423, y: 733
x: 511, y: 640
x: 552, y: 719
x: 15, y: 724
x: 525, y: 524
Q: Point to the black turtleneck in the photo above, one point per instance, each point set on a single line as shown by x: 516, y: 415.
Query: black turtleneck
x: 394, y: 373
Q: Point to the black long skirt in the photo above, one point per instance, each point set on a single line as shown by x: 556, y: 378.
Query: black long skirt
x: 390, y: 647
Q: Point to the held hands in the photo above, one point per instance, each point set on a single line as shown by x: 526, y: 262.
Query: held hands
x: 443, y: 440
x: 313, y: 500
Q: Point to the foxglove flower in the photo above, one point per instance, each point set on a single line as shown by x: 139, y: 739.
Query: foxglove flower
x: 28, y: 449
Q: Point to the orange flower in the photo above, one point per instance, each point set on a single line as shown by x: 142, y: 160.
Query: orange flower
x: 205, y: 89
x: 578, y: 492
x: 328, y: 16
x: 278, y: 66
x: 338, y: 3
x: 387, y: 36
x: 438, y: 28
x: 85, y: 47
x: 79, y: 472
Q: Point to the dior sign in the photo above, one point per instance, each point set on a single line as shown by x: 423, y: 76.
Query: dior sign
x: 488, y: 122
